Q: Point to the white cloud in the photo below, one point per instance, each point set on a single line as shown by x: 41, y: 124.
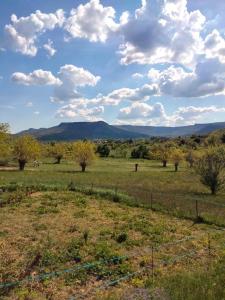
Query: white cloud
x: 73, y: 77
x: 167, y: 33
x: 92, y: 21
x: 215, y: 46
x: 37, y: 77
x: 49, y: 47
x: 37, y: 113
x: 81, y: 109
x: 126, y: 94
x: 22, y: 33
x: 145, y: 114
x: 208, y: 78
x: 142, y: 110
x: 137, y: 75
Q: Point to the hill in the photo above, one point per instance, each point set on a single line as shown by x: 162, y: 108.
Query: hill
x: 162, y: 131
x: 102, y: 130
x: 82, y: 130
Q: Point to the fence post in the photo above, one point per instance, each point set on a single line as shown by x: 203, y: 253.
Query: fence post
x: 151, y: 199
x: 152, y: 265
x: 196, y: 208
x: 209, y: 250
x: 136, y: 167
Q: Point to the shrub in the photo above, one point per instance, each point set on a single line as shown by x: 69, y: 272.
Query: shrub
x: 122, y: 237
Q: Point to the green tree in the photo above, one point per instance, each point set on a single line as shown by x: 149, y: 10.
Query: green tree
x: 83, y: 153
x: 176, y: 156
x: 140, y: 152
x: 26, y: 148
x: 211, y: 168
x: 4, y: 141
x: 57, y: 151
x: 162, y: 152
x: 103, y: 150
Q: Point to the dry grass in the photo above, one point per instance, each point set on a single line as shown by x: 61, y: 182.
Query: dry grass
x: 48, y: 226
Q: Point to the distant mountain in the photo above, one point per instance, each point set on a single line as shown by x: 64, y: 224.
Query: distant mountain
x: 160, y: 131
x: 82, y: 130
x: 102, y: 130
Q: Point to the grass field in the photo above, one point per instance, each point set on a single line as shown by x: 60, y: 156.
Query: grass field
x: 109, y: 224
x: 174, y: 192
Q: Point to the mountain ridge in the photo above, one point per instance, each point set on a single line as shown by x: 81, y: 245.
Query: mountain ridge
x: 67, y: 131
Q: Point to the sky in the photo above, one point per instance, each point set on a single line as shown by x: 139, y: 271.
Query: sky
x: 149, y: 62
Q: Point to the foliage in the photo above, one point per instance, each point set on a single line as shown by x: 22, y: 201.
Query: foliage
x: 140, y: 152
x: 84, y: 153
x: 176, y: 156
x: 4, y: 141
x: 103, y: 150
x: 26, y: 148
x: 211, y: 168
x: 57, y: 151
x: 162, y: 152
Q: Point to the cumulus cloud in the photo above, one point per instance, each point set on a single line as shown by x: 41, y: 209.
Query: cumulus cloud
x: 143, y: 114
x: 126, y: 94
x: 163, y: 31
x: 49, y: 47
x: 67, y: 81
x: 215, y: 46
x: 22, y: 33
x: 207, y: 79
x: 81, y: 109
x: 72, y: 77
x: 92, y: 21
x: 37, y: 77
x: 142, y: 110
x: 137, y: 75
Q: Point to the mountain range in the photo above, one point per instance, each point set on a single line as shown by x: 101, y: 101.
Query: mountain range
x: 102, y: 130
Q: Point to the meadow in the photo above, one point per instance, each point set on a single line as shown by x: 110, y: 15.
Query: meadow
x: 109, y: 232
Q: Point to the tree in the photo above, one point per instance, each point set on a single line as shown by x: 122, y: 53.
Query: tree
x: 162, y: 152
x: 140, y: 152
x: 84, y: 153
x: 176, y: 156
x: 4, y: 141
x: 192, y: 156
x: 103, y: 150
x: 211, y: 168
x: 26, y: 148
x: 57, y: 151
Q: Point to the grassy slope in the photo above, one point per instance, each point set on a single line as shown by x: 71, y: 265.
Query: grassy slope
x: 51, y: 226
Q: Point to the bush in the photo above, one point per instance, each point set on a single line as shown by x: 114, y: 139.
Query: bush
x: 122, y: 237
x: 140, y: 152
x: 103, y: 150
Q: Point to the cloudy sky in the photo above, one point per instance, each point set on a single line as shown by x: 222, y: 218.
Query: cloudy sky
x: 149, y: 62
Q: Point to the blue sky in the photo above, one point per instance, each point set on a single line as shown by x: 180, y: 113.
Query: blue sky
x: 150, y: 62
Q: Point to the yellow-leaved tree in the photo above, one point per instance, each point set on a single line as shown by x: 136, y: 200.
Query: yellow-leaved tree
x: 26, y: 148
x: 176, y: 156
x: 84, y: 153
x: 4, y: 141
x: 57, y: 151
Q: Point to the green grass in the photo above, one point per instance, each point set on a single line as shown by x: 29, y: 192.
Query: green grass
x: 73, y: 218
x: 46, y: 232
x: 174, y: 193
